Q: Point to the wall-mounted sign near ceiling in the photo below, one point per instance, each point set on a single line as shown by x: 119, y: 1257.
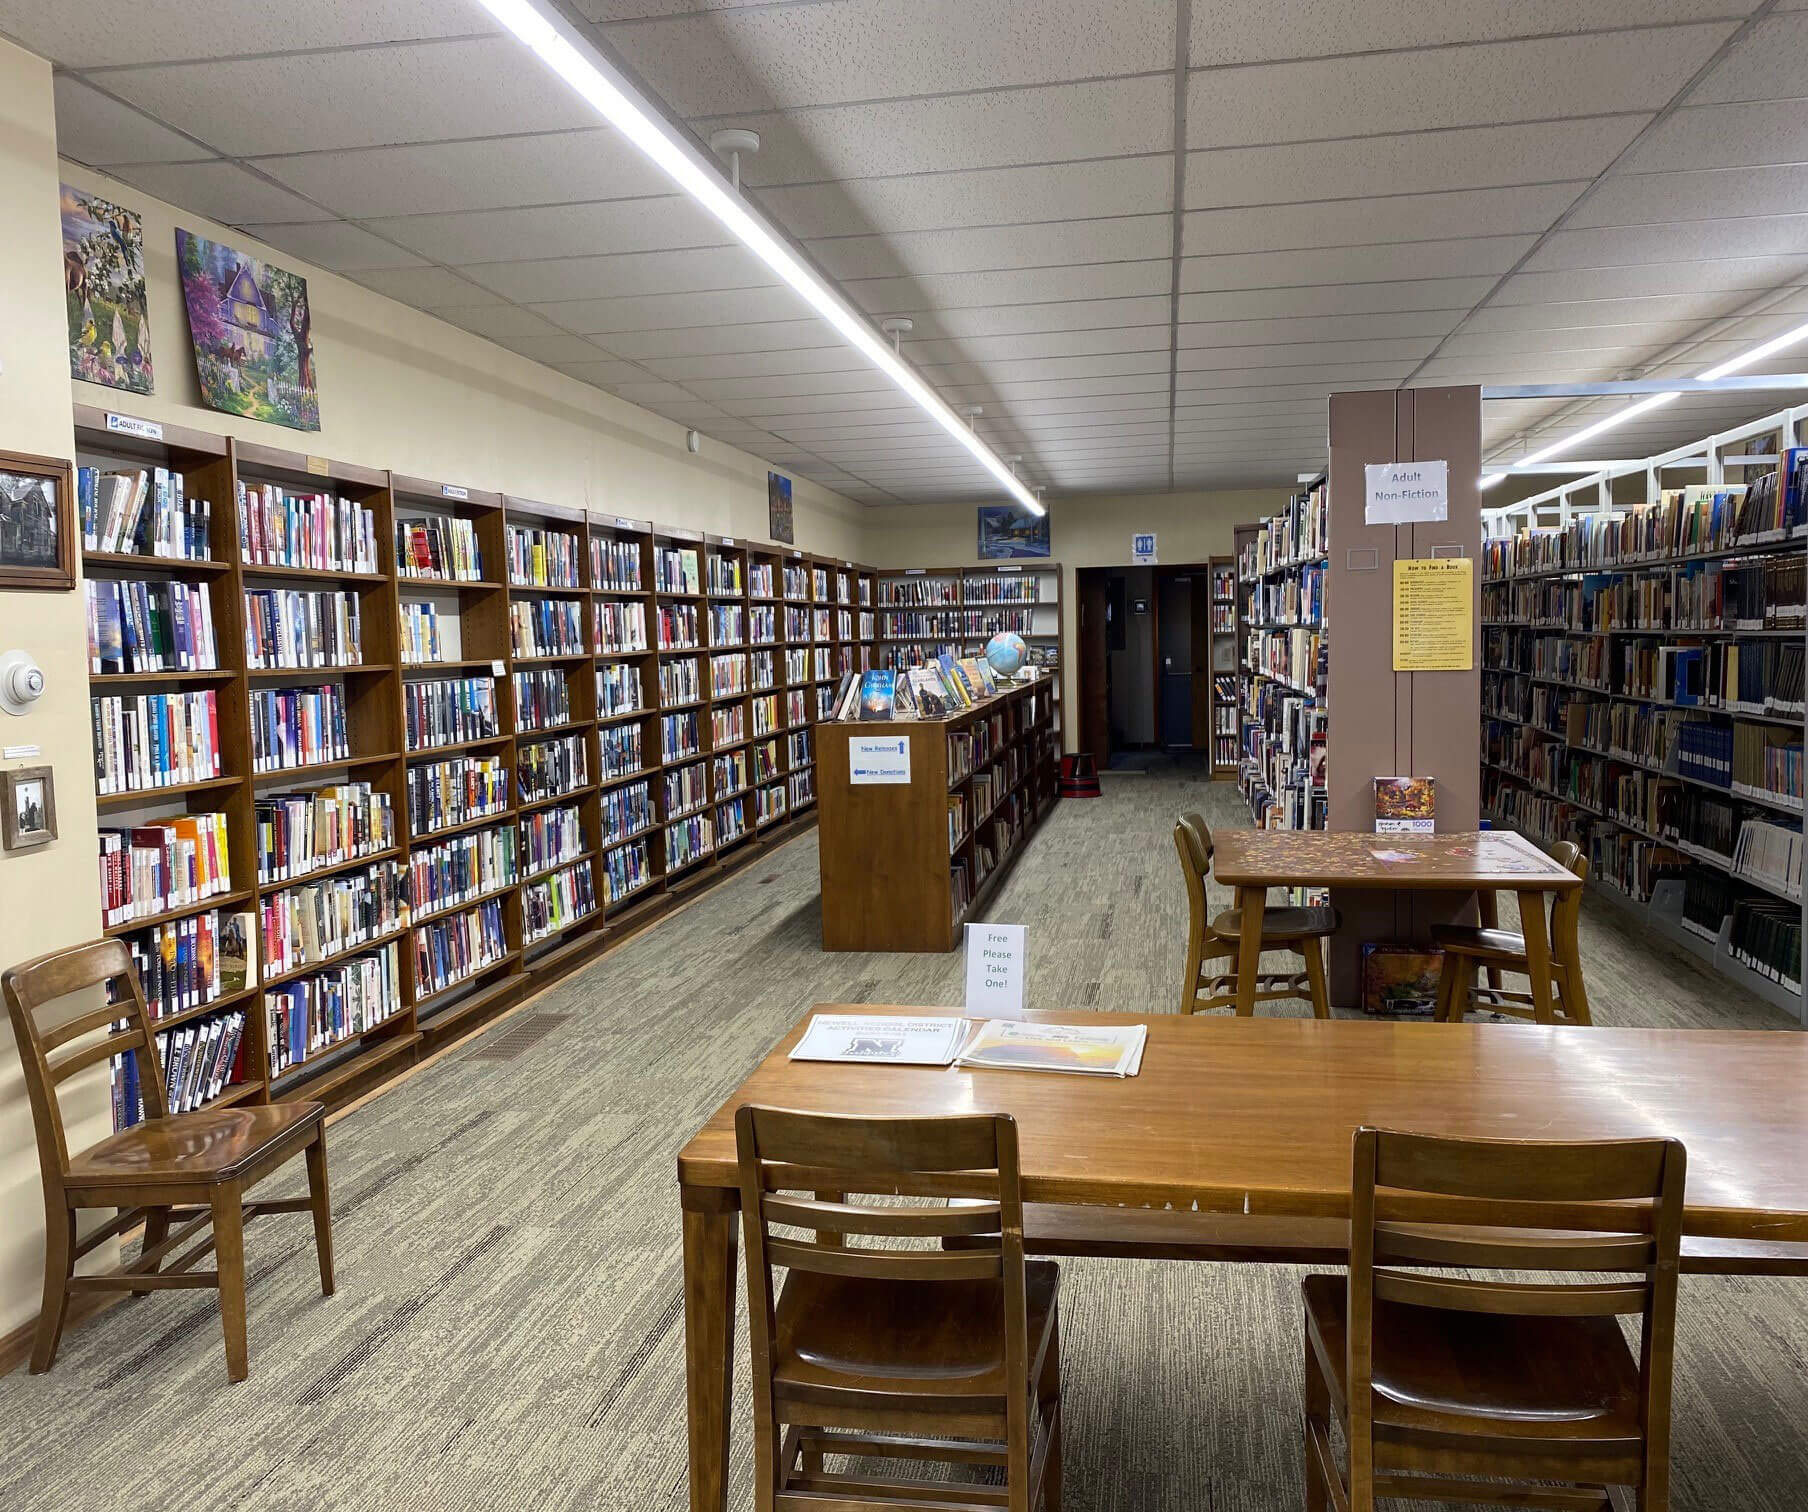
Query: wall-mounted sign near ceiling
x: 1405, y: 493
x: 1142, y: 549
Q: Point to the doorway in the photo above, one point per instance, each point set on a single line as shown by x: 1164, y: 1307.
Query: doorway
x: 1145, y: 683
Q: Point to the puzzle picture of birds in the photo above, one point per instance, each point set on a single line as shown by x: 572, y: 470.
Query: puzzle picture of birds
x: 253, y: 334
x: 103, y: 287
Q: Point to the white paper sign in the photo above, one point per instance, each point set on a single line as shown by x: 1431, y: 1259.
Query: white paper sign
x: 130, y: 425
x: 1404, y: 493
x: 996, y: 956
x: 453, y: 491
x: 878, y: 759
x: 1142, y: 549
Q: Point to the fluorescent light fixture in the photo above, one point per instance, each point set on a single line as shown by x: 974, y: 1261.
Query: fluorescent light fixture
x: 578, y: 62
x: 1620, y: 417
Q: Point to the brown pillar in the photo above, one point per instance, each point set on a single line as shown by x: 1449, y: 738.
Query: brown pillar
x: 1385, y: 723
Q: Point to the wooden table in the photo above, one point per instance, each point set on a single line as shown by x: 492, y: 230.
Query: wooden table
x: 1252, y: 861
x: 1255, y: 1116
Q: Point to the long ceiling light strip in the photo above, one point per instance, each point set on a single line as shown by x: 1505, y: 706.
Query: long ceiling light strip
x: 1644, y: 406
x: 564, y: 50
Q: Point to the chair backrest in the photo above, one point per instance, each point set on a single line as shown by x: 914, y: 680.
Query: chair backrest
x: 786, y: 1157
x: 1566, y: 909
x: 1193, y: 863
x: 1520, y: 1206
x: 45, y: 1048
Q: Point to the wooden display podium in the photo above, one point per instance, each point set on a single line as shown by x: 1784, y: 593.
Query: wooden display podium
x: 889, y: 853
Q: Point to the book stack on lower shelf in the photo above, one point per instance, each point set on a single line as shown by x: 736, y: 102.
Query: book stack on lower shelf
x: 1643, y: 696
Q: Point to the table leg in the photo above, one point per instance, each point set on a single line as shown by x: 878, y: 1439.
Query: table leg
x: 1252, y: 902
x: 1538, y: 953
x: 710, y: 1215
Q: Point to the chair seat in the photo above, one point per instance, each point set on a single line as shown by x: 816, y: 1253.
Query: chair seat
x: 1485, y: 1376
x: 1279, y: 923
x: 216, y: 1144
x: 934, y: 1343
x: 1500, y: 945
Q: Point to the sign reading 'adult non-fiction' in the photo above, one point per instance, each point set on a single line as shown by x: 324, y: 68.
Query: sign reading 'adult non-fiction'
x: 1405, y: 493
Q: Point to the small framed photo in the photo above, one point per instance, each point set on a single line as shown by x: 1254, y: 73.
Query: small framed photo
x: 28, y: 816
x: 37, y: 522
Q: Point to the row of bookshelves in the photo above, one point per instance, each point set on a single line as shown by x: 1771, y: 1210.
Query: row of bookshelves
x: 379, y: 753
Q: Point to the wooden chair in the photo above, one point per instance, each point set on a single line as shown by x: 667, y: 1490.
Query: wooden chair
x: 188, y: 1169
x: 896, y: 1353
x: 1515, y: 1384
x: 1468, y: 949
x: 1211, y: 940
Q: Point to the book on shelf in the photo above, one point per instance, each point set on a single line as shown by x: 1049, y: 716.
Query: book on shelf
x: 878, y: 694
x: 146, y: 512
x: 313, y: 532
x: 164, y: 626
x: 438, y: 546
x: 237, y: 951
x: 292, y: 628
x: 199, y: 1061
x: 332, y: 1005
x: 148, y: 741
x: 930, y: 692
x: 161, y: 865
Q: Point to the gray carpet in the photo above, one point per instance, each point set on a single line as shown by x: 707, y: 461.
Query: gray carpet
x: 507, y: 1330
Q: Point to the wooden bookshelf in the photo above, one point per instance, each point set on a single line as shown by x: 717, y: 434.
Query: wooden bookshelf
x: 1582, y: 743
x: 969, y: 605
x: 893, y: 867
x: 1226, y: 648
x: 473, y: 615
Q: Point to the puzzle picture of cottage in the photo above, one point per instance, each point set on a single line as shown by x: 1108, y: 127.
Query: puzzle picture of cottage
x: 252, y: 333
x: 103, y: 289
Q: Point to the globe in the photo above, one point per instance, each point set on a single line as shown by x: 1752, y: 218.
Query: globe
x: 1006, y: 653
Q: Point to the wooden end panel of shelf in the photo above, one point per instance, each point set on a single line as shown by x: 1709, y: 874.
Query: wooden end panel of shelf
x: 884, y: 847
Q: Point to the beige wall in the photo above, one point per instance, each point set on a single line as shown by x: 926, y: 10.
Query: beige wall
x: 1093, y: 531
x: 401, y: 390
x: 48, y: 896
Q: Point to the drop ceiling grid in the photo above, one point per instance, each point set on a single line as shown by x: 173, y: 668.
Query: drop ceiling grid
x: 1002, y: 195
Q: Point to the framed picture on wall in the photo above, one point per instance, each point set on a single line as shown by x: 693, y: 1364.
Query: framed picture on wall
x: 27, y: 807
x: 37, y: 522
x: 778, y: 509
x: 1007, y: 531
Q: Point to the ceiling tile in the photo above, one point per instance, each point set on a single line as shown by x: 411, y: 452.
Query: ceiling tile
x: 1439, y: 295
x: 1761, y: 66
x: 1106, y: 119
x: 1226, y: 31
x: 980, y: 197
x: 826, y: 359
x: 1304, y: 353
x: 1491, y: 84
x: 1415, y: 163
x: 93, y: 129
x: 601, y: 317
x: 1724, y: 136
x: 1047, y: 244
x: 1687, y: 242
x: 627, y: 275
x: 1664, y: 198
x: 1332, y: 265
x: 1402, y: 218
x: 750, y: 59
x: 221, y: 191
x: 1625, y: 282
x: 439, y: 177
x: 553, y: 231
x: 1108, y: 365
x: 884, y: 296
x: 362, y: 98
x: 97, y: 33
x: 433, y: 289
x: 1677, y: 309
x: 336, y: 245
x: 552, y: 350
x: 725, y: 390
x: 509, y: 323
x: 1057, y: 315
x: 1038, y: 346
x: 710, y: 340
x: 1318, y: 328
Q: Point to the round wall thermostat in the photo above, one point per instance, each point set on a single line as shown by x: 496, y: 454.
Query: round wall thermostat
x: 21, y: 682
x: 693, y: 441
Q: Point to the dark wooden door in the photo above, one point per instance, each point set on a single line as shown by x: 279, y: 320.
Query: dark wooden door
x: 1094, y: 689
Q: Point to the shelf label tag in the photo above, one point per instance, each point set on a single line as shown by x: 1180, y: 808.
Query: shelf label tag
x: 1007, y: 569
x: 996, y: 955
x: 318, y: 466
x: 453, y: 491
x: 728, y: 540
x: 131, y: 425
x: 497, y: 669
x: 878, y: 760
x: 20, y: 752
x: 1405, y: 493
x: 1142, y: 549
x: 621, y: 524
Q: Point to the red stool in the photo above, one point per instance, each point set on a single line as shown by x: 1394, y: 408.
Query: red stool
x: 1079, y: 778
